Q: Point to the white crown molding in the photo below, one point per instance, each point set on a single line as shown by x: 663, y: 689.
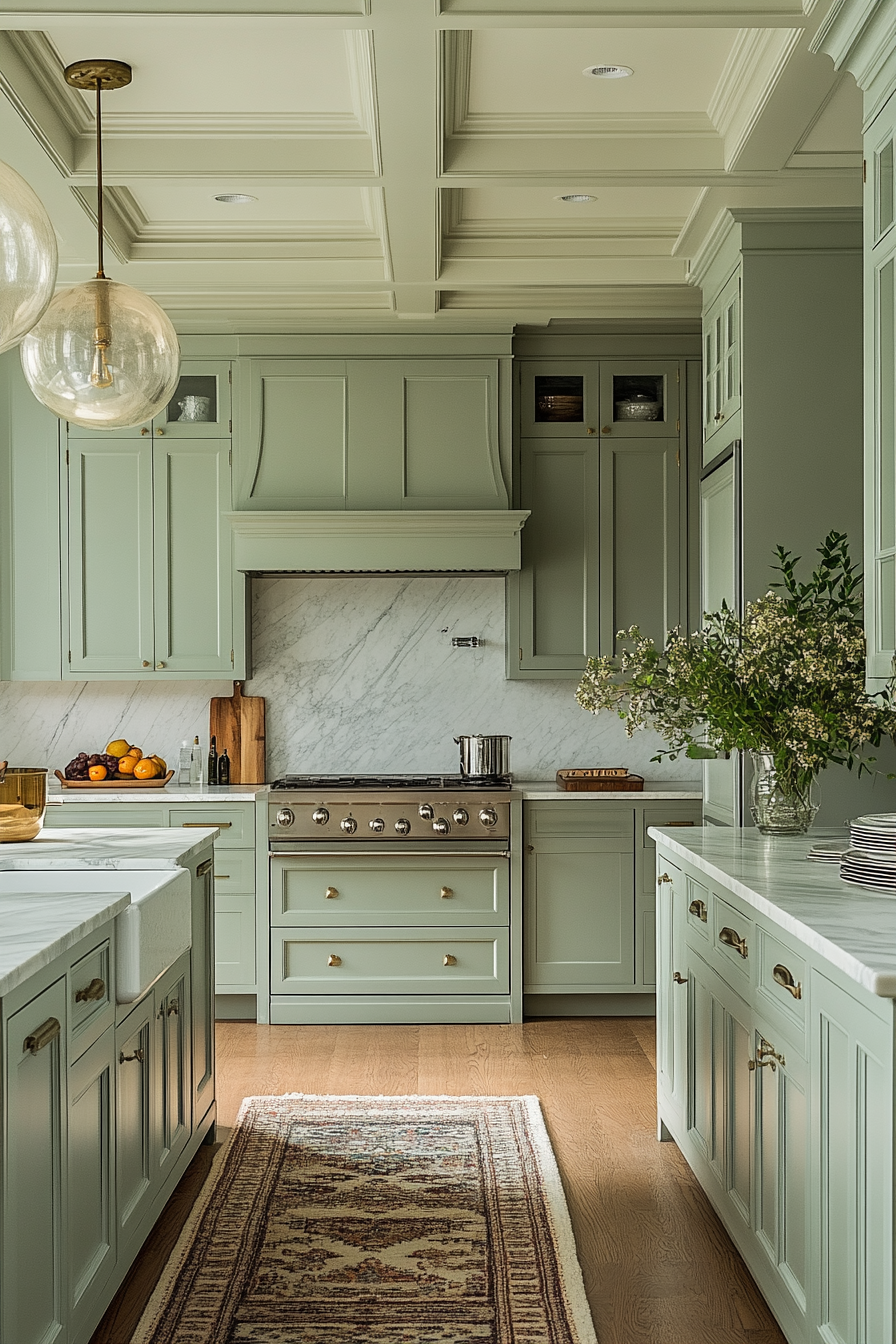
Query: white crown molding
x: 242, y: 125
x: 362, y: 82
x: 752, y: 72
x: 603, y: 301
x: 858, y: 35
x: 576, y: 126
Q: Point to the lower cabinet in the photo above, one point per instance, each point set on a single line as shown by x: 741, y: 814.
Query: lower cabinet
x: 91, y: 1240
x: 775, y: 1078
x: 590, y: 893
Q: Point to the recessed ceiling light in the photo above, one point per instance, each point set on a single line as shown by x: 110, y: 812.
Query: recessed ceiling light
x: 235, y: 198
x: 576, y: 198
x: 608, y: 71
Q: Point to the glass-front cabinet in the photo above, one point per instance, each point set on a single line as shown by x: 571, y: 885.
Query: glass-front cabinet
x: 721, y: 370
x: 199, y: 409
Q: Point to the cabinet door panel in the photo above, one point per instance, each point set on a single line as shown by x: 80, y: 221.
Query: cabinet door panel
x: 672, y: 995
x: 579, y: 918
x: 559, y: 578
x: 640, y: 545
x: 91, y: 1176
x: 136, y: 1100
x: 192, y: 557
x: 234, y: 944
x: 293, y: 449
x: 451, y: 436
x: 202, y: 972
x: 627, y: 386
x: 110, y: 555
x: 32, y: 1306
x: 173, y: 1030
x: 781, y: 1177
x: 559, y: 399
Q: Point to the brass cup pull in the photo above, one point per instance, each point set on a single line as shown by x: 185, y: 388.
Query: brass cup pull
x: 783, y: 977
x: 753, y: 1064
x: 698, y: 908
x: 448, y: 960
x: 332, y: 893
x: 767, y: 1051
x: 732, y: 939
x: 333, y: 960
x: 663, y: 877
x: 95, y: 990
x: 46, y: 1032
x: 126, y: 1059
x: 446, y: 893
x: 174, y: 1007
x: 679, y: 979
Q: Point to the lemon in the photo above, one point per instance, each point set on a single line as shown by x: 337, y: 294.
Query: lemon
x: 118, y: 748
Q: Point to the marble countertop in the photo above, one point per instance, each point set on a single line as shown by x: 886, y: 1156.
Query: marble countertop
x: 126, y: 847
x: 172, y: 793
x: 537, y: 790
x: 853, y: 928
x: 36, y: 929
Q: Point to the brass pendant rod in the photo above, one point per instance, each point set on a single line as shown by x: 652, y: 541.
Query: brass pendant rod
x: 100, y: 273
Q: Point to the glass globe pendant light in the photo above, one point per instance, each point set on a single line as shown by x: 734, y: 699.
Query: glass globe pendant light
x: 104, y: 355
x: 28, y: 258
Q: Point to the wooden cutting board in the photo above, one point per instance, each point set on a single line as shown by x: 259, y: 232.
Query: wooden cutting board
x: 237, y: 723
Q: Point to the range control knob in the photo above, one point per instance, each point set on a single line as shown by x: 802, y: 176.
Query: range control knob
x: 286, y: 816
x: 461, y: 816
x: 349, y: 825
x: 377, y: 824
x: 425, y: 812
x: 320, y: 816
x: 488, y: 816
x: 403, y: 826
x: 441, y: 826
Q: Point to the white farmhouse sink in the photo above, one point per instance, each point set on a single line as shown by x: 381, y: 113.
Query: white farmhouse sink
x: 151, y: 933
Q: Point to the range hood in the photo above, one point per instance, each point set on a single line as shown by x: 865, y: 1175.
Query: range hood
x: 376, y: 541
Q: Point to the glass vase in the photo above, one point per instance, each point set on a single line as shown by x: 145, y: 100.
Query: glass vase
x: 775, y: 808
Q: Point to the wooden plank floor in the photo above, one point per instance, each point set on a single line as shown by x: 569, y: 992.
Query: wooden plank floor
x: 658, y: 1266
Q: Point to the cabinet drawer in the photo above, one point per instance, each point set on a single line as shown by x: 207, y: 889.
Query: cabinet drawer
x: 697, y: 907
x: 234, y: 871
x: 236, y: 823
x: 234, y: 944
x: 390, y: 961
x: 594, y: 819
x: 782, y: 979
x: 107, y: 814
x: 684, y: 814
x: 733, y: 939
x: 412, y: 890
x: 90, y: 997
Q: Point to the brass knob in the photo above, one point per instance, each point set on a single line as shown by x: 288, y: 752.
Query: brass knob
x: 679, y: 979
x: 147, y: 663
x: 448, y: 960
x: 126, y: 1059
x: 663, y: 877
x: 606, y: 429
x: 446, y: 893
x: 160, y: 432
x: 95, y: 990
x: 332, y: 893
x: 333, y: 960
x: 590, y: 430
x: 159, y: 666
x: 144, y: 430
x: 719, y: 415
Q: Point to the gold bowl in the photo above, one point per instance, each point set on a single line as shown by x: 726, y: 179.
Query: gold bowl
x: 23, y: 801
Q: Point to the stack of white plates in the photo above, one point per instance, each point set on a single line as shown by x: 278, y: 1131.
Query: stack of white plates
x: 875, y: 834
x: 829, y: 853
x: 869, y: 870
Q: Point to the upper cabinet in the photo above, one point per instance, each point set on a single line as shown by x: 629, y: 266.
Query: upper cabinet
x: 369, y: 434
x: 721, y: 369
x: 603, y: 469
x: 199, y: 409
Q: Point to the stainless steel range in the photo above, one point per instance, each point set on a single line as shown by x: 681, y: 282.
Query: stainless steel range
x: 394, y: 899
x: 389, y: 809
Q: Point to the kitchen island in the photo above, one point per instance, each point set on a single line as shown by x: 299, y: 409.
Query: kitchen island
x: 776, y: 1039
x: 107, y: 1075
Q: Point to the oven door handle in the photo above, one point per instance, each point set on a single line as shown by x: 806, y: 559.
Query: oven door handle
x: 438, y: 850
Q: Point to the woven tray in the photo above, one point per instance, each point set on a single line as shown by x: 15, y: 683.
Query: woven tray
x: 606, y: 779
x: 158, y: 783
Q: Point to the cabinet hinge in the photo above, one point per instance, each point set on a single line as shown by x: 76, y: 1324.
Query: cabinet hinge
x: 69, y: 655
x: 864, y: 170
x: 230, y: 457
x: 229, y: 426
x: 230, y: 375
x: 678, y: 375
x: 521, y: 655
x: 678, y: 458
x: 66, y: 457
x: 678, y: 426
x: 231, y: 655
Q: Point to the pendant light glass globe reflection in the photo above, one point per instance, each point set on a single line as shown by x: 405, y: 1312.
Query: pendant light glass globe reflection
x: 28, y: 258
x: 104, y: 356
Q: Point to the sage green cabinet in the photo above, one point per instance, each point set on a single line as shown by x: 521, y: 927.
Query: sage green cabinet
x: 151, y: 589
x: 721, y: 369
x: 210, y: 419
x: 369, y: 434
x: 33, y: 1307
x: 671, y: 965
x: 136, y: 1126
x: 90, y: 1194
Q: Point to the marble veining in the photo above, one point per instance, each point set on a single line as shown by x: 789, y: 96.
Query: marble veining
x: 852, y: 928
x: 130, y: 847
x: 358, y: 674
x: 35, y: 930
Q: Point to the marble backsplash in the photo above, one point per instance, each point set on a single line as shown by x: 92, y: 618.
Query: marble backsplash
x: 358, y: 674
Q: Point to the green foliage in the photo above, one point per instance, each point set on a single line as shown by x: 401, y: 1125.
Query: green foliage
x: 788, y: 677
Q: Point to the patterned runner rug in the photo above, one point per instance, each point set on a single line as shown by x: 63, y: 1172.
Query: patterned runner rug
x: 377, y: 1220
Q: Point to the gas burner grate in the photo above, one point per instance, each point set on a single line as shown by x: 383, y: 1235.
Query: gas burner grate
x: 449, y: 783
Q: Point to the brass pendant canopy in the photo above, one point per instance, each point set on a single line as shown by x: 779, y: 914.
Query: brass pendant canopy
x: 100, y: 73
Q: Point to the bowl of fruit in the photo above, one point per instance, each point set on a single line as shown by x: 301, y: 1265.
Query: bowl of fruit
x: 119, y: 766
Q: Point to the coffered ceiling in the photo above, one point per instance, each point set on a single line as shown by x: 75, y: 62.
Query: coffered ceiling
x: 406, y: 157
